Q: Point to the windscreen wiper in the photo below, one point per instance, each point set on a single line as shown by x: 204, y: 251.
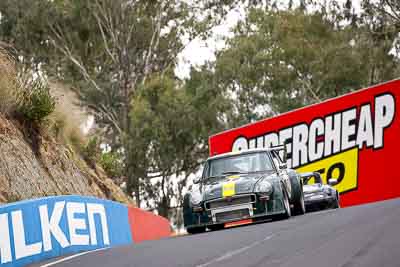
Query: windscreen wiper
x: 214, y: 176
x: 222, y: 175
x: 231, y: 172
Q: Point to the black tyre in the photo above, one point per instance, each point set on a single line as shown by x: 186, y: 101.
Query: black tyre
x: 299, y: 208
x: 196, y: 230
x: 297, y: 194
x: 216, y: 227
x: 286, y: 206
x: 336, y: 204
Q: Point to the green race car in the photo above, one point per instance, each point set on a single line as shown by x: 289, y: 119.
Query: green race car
x: 243, y: 187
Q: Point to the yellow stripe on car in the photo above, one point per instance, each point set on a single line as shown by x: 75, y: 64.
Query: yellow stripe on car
x: 228, y: 189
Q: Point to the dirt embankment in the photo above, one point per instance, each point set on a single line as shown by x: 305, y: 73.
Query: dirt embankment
x: 38, y: 160
x: 35, y: 165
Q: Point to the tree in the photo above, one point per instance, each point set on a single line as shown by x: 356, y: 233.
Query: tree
x: 107, y: 49
x: 170, y: 127
x: 21, y: 30
x: 280, y: 60
x: 388, y: 8
x: 380, y: 25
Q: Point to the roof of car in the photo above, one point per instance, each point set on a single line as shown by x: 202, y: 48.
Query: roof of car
x: 241, y: 152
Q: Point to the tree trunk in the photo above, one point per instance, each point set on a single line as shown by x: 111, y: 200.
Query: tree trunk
x: 137, y: 193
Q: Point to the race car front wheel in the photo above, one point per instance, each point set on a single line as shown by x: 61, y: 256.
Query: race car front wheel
x: 216, y: 227
x: 286, y: 206
x: 196, y: 230
x: 336, y: 204
x: 299, y: 208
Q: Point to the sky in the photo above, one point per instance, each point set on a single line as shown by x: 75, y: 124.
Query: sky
x: 197, y: 52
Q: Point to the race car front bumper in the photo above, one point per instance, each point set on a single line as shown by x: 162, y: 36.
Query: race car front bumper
x: 256, y: 211
x: 314, y: 204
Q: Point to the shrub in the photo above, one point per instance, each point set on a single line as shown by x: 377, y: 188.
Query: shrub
x: 35, y: 103
x: 112, y: 164
x: 23, y: 93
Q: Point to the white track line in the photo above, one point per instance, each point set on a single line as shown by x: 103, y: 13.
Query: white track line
x: 71, y: 257
x: 232, y: 253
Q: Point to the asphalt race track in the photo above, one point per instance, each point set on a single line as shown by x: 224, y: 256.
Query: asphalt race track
x: 365, y: 236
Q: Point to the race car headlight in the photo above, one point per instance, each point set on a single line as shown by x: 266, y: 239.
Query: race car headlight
x: 196, y: 198
x: 327, y: 191
x: 263, y: 187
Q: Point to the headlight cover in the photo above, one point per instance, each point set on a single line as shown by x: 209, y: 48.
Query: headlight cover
x: 327, y: 191
x: 263, y: 187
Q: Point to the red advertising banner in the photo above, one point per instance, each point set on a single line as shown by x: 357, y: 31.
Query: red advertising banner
x: 353, y: 138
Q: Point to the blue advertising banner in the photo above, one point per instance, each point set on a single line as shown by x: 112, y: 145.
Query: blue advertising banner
x: 34, y: 230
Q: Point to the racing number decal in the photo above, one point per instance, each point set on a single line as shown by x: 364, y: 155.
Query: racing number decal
x: 343, y: 167
x: 228, y: 189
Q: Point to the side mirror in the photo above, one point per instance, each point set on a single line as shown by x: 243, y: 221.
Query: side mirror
x: 283, y: 166
x: 332, y: 182
x: 196, y: 180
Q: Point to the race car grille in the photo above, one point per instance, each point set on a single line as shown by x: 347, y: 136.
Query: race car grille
x: 232, y: 215
x: 226, y: 202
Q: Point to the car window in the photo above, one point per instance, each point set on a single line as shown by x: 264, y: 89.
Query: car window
x: 252, y: 162
x: 313, y: 179
x: 309, y: 180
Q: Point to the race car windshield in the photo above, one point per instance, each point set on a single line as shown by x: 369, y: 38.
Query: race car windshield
x: 312, y: 179
x: 246, y: 163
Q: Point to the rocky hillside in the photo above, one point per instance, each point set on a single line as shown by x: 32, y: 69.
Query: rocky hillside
x: 36, y: 165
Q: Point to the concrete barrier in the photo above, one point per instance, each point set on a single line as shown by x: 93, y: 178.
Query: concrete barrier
x: 147, y: 226
x: 35, y: 230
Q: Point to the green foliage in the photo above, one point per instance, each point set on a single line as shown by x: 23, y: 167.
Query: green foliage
x: 35, y: 102
x: 170, y: 127
x: 281, y: 60
x: 112, y: 163
x: 24, y: 30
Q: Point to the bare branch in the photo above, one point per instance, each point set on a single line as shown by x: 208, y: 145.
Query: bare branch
x: 395, y: 15
x: 155, y: 39
x: 102, y: 110
x: 105, y: 41
x: 67, y: 52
